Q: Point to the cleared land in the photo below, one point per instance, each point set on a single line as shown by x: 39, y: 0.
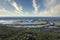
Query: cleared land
x: 57, y: 23
x: 40, y: 22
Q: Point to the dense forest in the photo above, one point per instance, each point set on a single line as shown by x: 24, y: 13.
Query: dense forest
x: 17, y: 33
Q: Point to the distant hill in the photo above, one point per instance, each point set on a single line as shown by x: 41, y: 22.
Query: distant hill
x: 35, y: 18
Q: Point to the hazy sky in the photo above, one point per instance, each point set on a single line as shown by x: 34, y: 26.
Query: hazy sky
x: 39, y: 8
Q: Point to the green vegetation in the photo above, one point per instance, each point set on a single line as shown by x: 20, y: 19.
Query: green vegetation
x: 15, y: 33
x: 18, y: 22
x: 40, y: 22
x: 57, y: 23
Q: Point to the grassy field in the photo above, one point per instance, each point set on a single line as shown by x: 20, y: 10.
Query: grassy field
x: 40, y: 22
x: 57, y: 23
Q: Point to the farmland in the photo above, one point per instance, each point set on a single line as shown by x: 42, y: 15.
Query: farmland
x: 57, y: 23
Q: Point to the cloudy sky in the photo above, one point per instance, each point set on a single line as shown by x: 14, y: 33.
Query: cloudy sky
x: 39, y: 8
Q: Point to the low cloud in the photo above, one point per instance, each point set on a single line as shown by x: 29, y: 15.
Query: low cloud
x: 3, y: 10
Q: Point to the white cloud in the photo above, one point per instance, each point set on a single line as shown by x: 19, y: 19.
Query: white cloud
x: 17, y: 12
x: 5, y: 13
x: 54, y: 11
x: 35, y: 6
x: 19, y: 8
x: 2, y: 9
x: 49, y: 3
x: 51, y: 8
